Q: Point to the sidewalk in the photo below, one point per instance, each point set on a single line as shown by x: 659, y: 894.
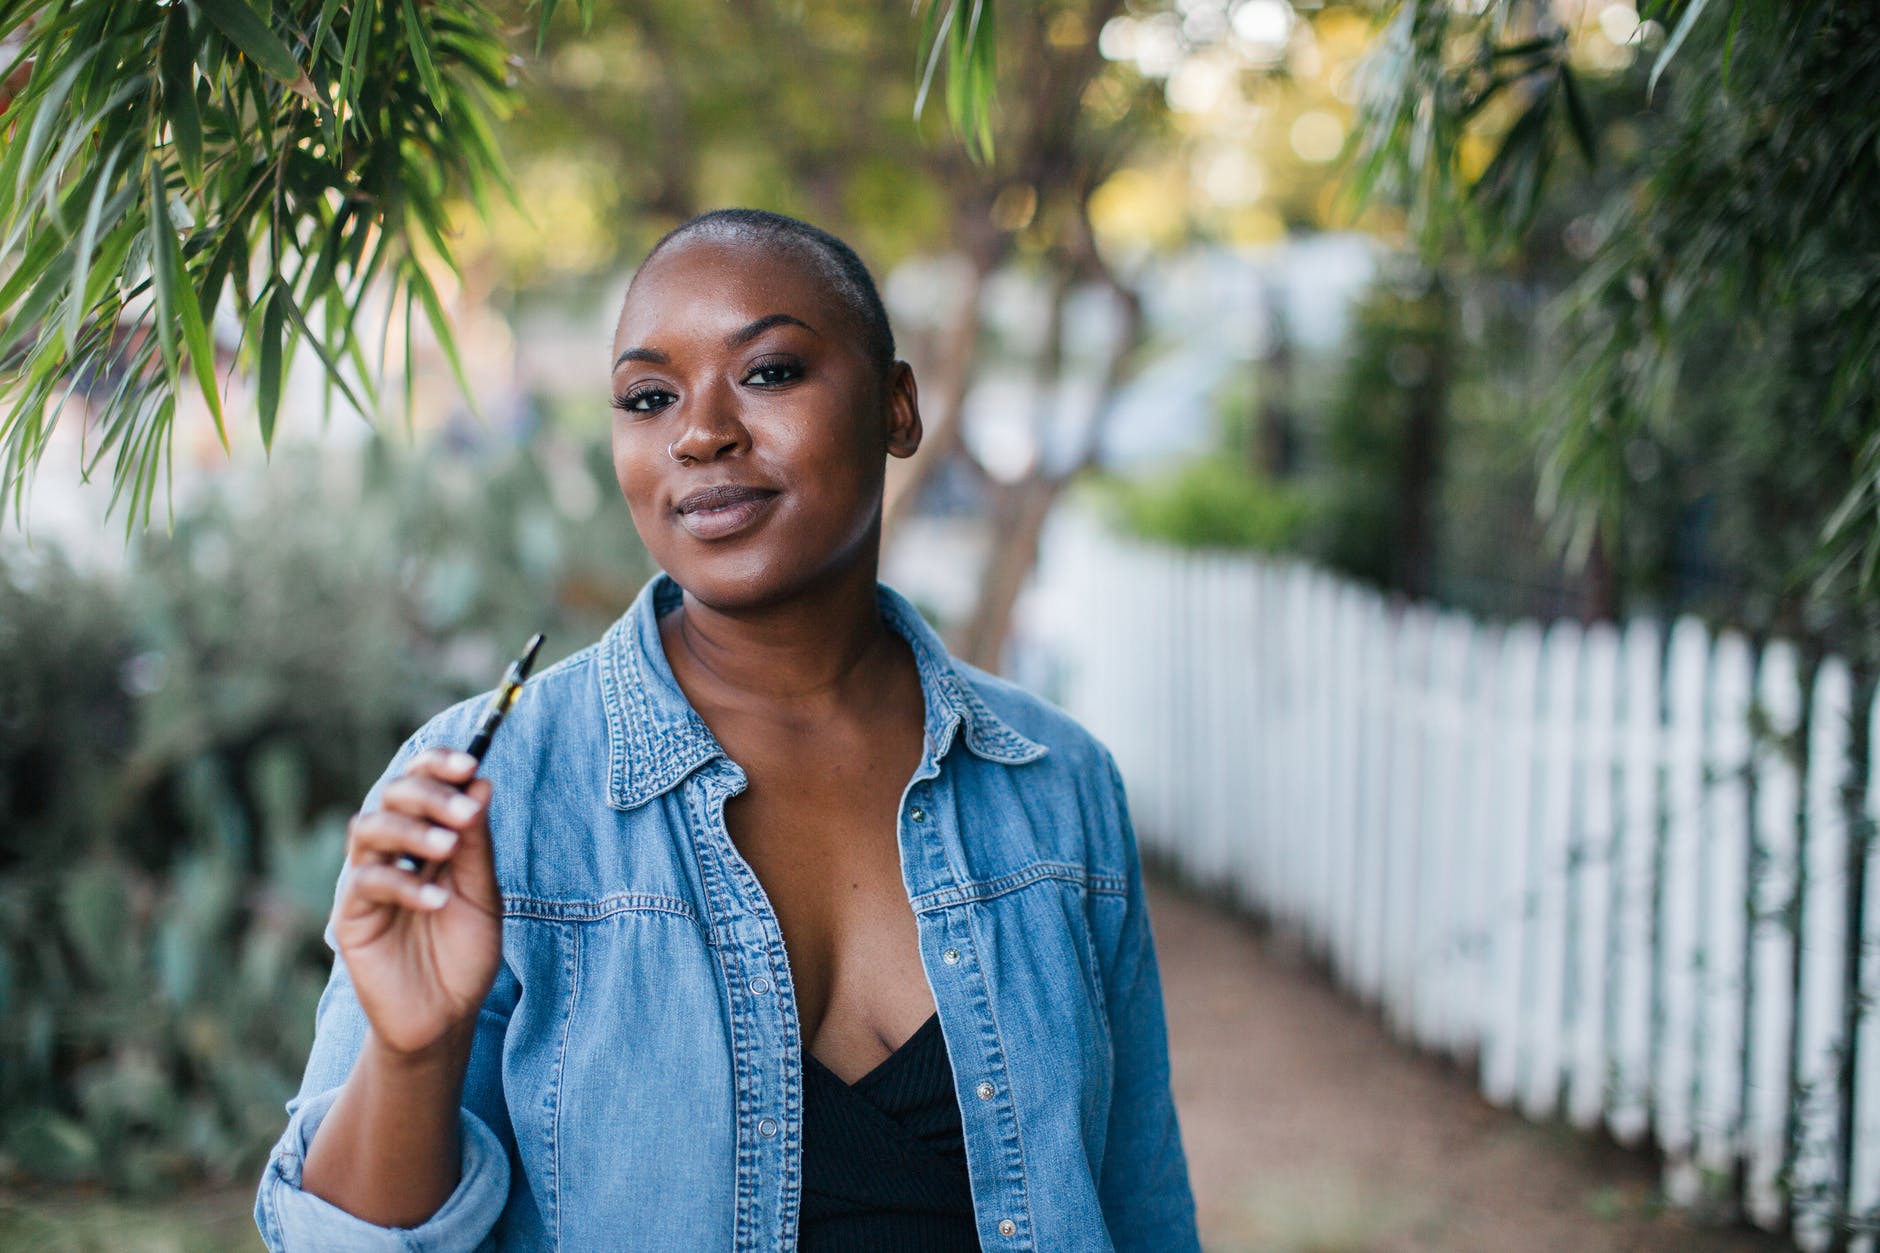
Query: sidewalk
x: 1309, y: 1131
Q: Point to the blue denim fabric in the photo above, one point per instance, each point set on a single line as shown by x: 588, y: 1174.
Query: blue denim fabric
x: 635, y: 1082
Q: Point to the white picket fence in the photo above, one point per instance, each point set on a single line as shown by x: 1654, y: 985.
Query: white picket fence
x: 1610, y: 869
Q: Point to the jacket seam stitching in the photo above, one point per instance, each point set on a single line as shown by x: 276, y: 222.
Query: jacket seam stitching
x: 561, y: 1063
x: 971, y: 893
x: 594, y: 911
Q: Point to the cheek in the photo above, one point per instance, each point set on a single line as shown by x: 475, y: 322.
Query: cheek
x: 633, y: 471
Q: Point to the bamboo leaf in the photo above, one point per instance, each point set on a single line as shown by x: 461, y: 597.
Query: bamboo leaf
x: 38, y: 303
x: 162, y: 239
x: 419, y: 282
x: 248, y: 31
x: 1678, y: 36
x: 935, y: 42
x: 421, y: 55
x: 196, y: 338
x: 268, y: 387
x: 319, y: 347
x: 47, y: 111
x: 41, y: 255
x: 81, y: 253
x: 358, y: 48
x: 1578, y: 118
x: 178, y: 66
x: 174, y: 290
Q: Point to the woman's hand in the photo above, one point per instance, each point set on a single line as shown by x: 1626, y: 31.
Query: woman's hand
x: 422, y: 949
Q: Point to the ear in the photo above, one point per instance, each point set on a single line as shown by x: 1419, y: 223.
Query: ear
x: 902, y: 411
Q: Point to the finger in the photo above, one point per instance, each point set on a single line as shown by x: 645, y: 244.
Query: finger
x: 385, y: 835
x: 449, y: 764
x: 438, y: 802
x: 382, y: 885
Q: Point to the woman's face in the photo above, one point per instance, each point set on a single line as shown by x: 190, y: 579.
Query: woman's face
x: 739, y: 360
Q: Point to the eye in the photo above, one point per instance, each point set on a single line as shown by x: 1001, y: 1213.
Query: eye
x: 775, y: 372
x: 643, y: 399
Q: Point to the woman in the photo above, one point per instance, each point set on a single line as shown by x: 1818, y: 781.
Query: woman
x: 767, y: 924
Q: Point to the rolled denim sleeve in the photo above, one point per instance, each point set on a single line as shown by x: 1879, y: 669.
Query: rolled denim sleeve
x: 1147, y: 1201
x: 292, y: 1220
x: 295, y: 1221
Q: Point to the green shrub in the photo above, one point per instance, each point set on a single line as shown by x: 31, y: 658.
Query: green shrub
x: 180, y: 748
x: 1211, y: 502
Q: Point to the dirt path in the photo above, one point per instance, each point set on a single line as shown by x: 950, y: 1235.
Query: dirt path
x: 1309, y: 1131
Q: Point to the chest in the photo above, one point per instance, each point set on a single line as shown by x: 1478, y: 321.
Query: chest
x: 818, y: 823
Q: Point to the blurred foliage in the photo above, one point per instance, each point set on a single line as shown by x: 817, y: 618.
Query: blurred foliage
x: 1211, y: 501
x: 46, y: 1220
x: 1716, y: 416
x: 1225, y: 498
x: 668, y: 108
x: 1381, y: 431
x: 182, y: 747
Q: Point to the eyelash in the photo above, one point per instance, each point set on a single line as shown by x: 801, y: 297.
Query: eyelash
x: 627, y: 400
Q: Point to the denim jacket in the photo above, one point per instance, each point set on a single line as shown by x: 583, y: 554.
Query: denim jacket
x: 636, y: 1079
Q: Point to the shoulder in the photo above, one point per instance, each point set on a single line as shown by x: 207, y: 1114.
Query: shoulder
x: 545, y: 701
x: 1068, y: 744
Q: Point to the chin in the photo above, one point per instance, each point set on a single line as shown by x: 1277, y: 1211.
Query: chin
x: 751, y: 576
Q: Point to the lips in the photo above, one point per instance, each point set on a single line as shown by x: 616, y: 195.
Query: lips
x: 723, y: 496
x: 725, y: 510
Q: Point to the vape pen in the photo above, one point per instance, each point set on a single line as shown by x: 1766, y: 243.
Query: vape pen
x: 504, y: 697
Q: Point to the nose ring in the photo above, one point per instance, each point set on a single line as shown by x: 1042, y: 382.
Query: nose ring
x: 669, y: 451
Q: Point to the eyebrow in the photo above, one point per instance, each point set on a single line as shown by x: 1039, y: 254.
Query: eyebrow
x: 737, y: 339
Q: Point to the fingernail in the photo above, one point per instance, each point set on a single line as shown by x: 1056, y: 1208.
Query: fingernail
x: 430, y: 896
x: 463, y: 808
x: 462, y: 761
x: 440, y: 840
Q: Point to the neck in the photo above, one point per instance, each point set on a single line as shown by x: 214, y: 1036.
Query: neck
x: 820, y: 649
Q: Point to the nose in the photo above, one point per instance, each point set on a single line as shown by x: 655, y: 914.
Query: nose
x: 713, y: 427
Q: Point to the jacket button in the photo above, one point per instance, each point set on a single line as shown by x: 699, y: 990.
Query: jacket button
x: 1007, y: 1227
x: 917, y: 814
x: 984, y: 1089
x: 759, y: 985
x: 767, y: 1127
x: 951, y: 957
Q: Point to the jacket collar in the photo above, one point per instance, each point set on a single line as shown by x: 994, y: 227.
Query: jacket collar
x: 655, y: 738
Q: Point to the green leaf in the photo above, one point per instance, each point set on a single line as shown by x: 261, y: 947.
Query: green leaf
x: 196, y: 336
x: 38, y: 301
x: 421, y: 55
x: 40, y: 256
x: 1578, y: 118
x: 178, y: 66
x: 1729, y: 40
x: 81, y: 254
x: 358, y: 47
x: 1678, y: 36
x: 319, y: 347
x: 162, y: 240
x: 48, y: 110
x: 273, y: 329
x: 247, y: 30
x: 419, y: 282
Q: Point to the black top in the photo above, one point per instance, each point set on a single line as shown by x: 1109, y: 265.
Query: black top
x: 884, y: 1160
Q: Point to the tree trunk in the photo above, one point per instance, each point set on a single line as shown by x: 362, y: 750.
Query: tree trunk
x: 1024, y: 508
